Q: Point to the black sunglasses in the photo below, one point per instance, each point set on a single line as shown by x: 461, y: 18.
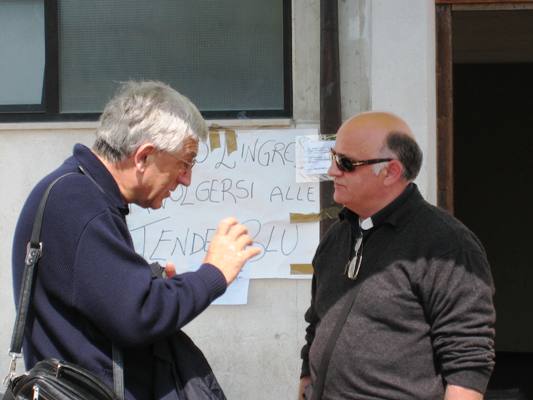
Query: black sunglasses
x: 347, y: 165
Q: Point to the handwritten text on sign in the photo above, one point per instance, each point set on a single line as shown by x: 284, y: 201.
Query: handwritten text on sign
x: 254, y: 183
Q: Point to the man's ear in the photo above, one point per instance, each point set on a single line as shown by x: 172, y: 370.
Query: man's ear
x: 393, y: 172
x: 140, y: 156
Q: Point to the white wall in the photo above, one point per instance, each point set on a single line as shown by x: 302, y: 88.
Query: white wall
x: 403, y: 73
x: 387, y: 57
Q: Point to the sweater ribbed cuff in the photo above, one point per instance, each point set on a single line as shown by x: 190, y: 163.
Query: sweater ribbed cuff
x: 213, y: 279
x: 471, y: 379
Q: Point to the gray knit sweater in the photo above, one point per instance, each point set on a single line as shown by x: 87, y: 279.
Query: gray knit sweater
x: 423, y: 317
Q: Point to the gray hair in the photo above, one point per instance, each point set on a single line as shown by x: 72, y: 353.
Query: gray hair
x: 147, y: 112
x: 404, y: 148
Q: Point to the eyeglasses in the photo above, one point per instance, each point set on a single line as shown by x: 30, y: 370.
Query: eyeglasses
x: 352, y: 267
x: 189, y: 164
x: 346, y: 164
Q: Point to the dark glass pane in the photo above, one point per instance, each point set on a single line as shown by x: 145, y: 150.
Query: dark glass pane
x: 226, y: 55
x: 21, y: 53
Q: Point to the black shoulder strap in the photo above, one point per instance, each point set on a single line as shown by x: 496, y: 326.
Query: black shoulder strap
x: 318, y: 385
x: 33, y: 254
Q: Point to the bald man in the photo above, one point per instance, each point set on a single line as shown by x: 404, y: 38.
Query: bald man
x: 402, y: 291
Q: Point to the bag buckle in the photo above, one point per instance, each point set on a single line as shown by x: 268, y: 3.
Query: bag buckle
x: 12, y: 368
x: 33, y: 253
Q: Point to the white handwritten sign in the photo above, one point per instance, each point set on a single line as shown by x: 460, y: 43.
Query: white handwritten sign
x: 254, y: 183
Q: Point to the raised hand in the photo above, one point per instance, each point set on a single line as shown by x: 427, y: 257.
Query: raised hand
x: 230, y: 248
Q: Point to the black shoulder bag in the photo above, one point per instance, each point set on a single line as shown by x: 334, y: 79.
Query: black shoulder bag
x: 52, y: 379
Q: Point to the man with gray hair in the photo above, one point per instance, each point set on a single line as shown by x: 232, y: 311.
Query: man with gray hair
x: 92, y: 290
x: 401, y: 304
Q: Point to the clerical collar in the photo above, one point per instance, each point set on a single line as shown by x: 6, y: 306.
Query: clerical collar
x: 381, y: 216
x: 366, y: 224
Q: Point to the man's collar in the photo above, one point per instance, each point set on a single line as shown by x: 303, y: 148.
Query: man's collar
x: 94, y: 167
x: 386, y: 214
x: 392, y: 214
x: 366, y: 224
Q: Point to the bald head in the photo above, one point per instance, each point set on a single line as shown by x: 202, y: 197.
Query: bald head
x: 384, y: 134
x: 376, y: 125
x: 387, y: 157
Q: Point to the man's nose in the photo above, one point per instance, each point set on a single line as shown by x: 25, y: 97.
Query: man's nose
x: 333, y: 170
x: 185, y: 178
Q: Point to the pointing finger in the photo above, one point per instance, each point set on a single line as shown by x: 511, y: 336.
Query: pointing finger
x: 243, y: 241
x: 251, y: 252
x: 225, y: 225
x: 237, y: 231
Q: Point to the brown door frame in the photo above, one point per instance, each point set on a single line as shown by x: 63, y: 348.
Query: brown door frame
x: 330, y: 95
x: 444, y: 75
x: 444, y: 66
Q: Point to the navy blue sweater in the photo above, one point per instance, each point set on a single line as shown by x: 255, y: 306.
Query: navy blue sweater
x: 91, y: 288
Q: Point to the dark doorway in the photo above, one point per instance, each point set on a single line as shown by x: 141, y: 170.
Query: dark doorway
x: 493, y: 137
x: 492, y: 167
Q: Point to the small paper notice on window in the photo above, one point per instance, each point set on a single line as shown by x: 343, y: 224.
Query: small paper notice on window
x: 313, y: 157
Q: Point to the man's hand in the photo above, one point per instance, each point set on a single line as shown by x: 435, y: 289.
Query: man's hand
x: 229, y: 249
x: 306, y: 380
